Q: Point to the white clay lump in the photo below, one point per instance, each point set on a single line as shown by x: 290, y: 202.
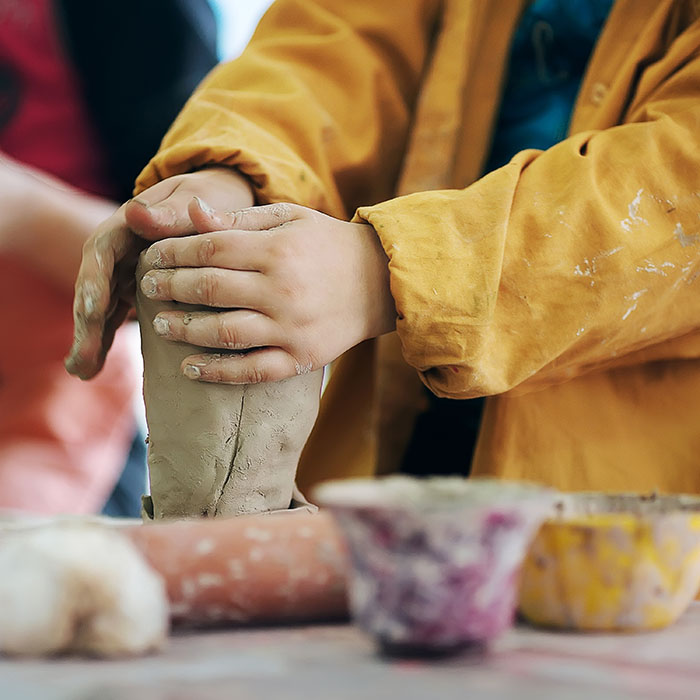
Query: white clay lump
x: 80, y: 589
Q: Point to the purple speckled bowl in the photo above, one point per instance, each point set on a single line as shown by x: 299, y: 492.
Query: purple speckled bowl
x: 435, y: 562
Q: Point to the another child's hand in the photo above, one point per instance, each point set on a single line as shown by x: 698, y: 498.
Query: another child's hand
x: 105, y: 285
x: 292, y: 287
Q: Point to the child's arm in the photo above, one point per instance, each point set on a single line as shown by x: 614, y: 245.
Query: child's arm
x: 576, y: 259
x: 316, y: 111
x: 44, y: 222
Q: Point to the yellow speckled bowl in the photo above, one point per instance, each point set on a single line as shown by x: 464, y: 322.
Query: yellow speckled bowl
x: 613, y: 562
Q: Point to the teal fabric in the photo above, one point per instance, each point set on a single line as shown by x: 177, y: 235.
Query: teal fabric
x: 548, y: 57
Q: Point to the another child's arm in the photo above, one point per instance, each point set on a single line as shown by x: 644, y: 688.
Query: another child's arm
x: 44, y: 222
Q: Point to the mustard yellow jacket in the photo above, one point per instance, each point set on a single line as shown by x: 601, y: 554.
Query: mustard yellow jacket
x: 562, y: 285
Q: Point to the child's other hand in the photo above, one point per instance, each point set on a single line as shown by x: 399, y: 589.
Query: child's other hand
x: 292, y: 287
x: 104, y: 288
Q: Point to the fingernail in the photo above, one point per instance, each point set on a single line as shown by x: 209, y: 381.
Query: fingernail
x: 149, y: 285
x: 216, y: 220
x: 154, y: 258
x: 204, y: 206
x: 161, y: 325
x: 192, y: 372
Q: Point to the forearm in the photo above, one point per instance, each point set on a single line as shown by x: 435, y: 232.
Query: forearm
x: 62, y: 219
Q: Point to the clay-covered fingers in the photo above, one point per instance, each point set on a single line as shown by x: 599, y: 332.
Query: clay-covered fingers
x: 100, y: 292
x: 240, y: 329
x: 226, y: 239
x: 208, y: 286
x: 252, y: 367
x: 234, y: 250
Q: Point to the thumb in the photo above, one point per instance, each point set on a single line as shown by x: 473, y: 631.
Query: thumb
x: 260, y: 218
x: 206, y: 219
x: 159, y: 213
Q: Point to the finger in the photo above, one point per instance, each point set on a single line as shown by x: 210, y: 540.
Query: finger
x: 265, y: 365
x: 87, y: 355
x: 161, y: 220
x: 260, y: 218
x: 161, y: 210
x: 83, y: 358
x: 114, y: 242
x: 234, y: 250
x: 93, y: 293
x: 208, y: 286
x: 230, y: 330
x: 206, y: 219
x: 101, y: 251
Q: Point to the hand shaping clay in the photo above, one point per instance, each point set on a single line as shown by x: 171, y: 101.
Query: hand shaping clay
x: 78, y: 588
x: 218, y: 449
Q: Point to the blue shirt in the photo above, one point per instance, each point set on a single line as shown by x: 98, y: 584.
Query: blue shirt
x: 548, y: 57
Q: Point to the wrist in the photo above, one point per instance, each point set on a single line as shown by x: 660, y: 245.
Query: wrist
x: 241, y: 186
x: 380, y: 302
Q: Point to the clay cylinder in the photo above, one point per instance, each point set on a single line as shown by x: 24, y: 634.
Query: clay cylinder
x: 218, y: 449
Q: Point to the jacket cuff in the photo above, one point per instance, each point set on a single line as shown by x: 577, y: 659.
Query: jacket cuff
x: 445, y: 251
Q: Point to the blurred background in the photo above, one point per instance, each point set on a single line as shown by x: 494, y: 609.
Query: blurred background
x: 87, y: 91
x: 236, y: 20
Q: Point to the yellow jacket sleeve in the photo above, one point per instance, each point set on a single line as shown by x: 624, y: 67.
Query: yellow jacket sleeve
x: 582, y: 256
x: 316, y: 110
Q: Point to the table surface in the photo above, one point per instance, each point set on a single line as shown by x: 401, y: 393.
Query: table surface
x: 338, y: 662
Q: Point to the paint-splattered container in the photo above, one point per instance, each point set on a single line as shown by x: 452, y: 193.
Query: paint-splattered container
x: 613, y: 562
x: 435, y: 562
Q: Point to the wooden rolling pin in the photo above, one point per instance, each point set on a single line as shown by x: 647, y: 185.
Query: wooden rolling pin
x: 259, y: 568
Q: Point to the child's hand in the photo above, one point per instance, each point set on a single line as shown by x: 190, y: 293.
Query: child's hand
x: 293, y: 287
x: 104, y: 288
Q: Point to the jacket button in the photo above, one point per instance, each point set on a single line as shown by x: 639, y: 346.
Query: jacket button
x: 598, y: 92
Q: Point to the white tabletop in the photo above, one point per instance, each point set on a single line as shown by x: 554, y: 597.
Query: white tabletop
x: 338, y: 662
